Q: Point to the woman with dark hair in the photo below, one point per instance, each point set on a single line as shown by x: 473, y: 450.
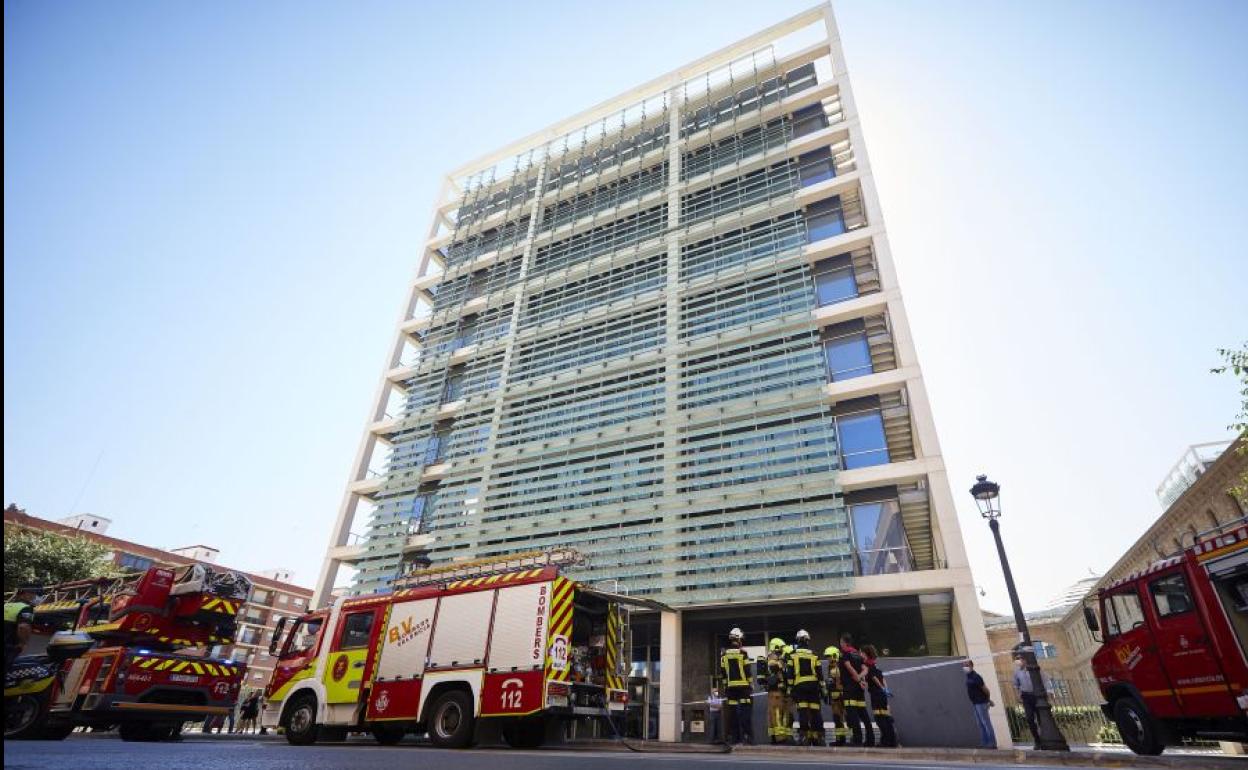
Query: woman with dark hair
x: 879, y: 696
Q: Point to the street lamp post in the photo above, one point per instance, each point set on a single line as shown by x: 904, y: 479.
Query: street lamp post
x: 988, y: 497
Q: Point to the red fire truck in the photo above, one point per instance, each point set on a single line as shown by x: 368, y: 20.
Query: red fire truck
x: 510, y: 641
x: 1173, y: 663
x: 113, y: 655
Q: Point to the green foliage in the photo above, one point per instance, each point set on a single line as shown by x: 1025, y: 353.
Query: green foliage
x: 1236, y: 362
x: 44, y: 558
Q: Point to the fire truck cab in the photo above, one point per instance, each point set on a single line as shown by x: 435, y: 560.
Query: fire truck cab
x: 1173, y: 662
x: 512, y: 641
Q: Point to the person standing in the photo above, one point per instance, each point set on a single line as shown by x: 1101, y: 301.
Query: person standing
x: 715, y: 708
x: 734, y: 667
x: 805, y: 680
x: 853, y: 682
x: 981, y: 701
x: 19, y: 618
x: 779, y: 729
x: 835, y: 695
x: 879, y: 696
x: 1027, y: 694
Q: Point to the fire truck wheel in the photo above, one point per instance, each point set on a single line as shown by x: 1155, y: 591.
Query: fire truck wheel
x: 301, y: 726
x: 388, y: 736
x: 57, y: 732
x: 525, y: 733
x: 138, y: 731
x: 1138, y: 730
x: 23, y: 715
x: 451, y: 720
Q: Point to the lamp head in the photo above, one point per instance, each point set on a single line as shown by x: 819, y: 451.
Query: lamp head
x: 987, y: 496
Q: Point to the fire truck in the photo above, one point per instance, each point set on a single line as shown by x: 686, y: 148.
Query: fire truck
x: 1173, y: 662
x: 113, y: 655
x: 510, y: 642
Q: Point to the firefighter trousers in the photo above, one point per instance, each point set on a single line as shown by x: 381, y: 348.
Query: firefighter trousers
x: 779, y: 728
x: 884, y: 719
x: 810, y: 719
x: 859, y: 721
x: 840, y: 730
x: 741, y: 704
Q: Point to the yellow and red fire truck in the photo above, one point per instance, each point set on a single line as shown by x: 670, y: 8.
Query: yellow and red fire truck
x: 116, y: 655
x: 510, y: 640
x: 1173, y: 663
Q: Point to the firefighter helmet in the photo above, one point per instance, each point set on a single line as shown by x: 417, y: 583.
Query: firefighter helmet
x: 776, y: 644
x: 735, y: 635
x: 803, y: 636
x: 788, y: 648
x: 832, y: 652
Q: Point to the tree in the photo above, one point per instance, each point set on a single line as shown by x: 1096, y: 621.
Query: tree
x: 1236, y: 362
x: 43, y: 558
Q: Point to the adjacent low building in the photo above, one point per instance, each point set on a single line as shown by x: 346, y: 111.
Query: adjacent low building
x: 272, y: 596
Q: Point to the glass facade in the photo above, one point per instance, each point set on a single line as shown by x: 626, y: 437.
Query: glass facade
x: 623, y: 357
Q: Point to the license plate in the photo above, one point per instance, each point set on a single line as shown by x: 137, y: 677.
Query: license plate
x: 560, y: 701
x: 183, y: 678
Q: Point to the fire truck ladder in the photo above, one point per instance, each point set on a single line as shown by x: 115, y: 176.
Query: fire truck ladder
x: 498, y: 565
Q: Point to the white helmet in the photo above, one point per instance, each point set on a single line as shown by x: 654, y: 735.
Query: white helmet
x: 735, y: 634
x: 802, y: 636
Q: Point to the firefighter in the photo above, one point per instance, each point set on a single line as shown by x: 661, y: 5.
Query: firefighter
x: 788, y: 695
x: 806, y: 683
x: 879, y: 696
x: 853, y: 684
x: 19, y: 616
x: 734, y: 667
x: 779, y: 728
x: 835, y: 696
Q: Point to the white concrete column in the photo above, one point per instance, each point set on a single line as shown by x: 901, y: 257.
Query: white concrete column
x: 671, y: 641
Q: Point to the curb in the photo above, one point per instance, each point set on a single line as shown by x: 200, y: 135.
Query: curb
x: 1007, y: 756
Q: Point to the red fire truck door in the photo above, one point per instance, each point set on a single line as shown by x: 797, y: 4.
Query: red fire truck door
x: 1185, y: 649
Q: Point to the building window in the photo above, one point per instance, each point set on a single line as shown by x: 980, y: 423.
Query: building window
x: 825, y: 219
x: 880, y: 538
x: 862, y: 440
x: 259, y: 595
x: 1170, y: 595
x: 298, y: 601
x: 835, y: 280
x: 848, y: 354
x: 815, y: 167
x: 282, y: 599
x: 1043, y: 649
x: 454, y: 386
x: 129, y: 561
x: 809, y: 120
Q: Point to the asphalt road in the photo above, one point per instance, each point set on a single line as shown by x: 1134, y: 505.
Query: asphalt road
x: 207, y: 753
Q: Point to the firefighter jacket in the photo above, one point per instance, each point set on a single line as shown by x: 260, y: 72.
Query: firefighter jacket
x: 774, y: 678
x: 734, y: 667
x: 801, y: 667
x: 832, y: 682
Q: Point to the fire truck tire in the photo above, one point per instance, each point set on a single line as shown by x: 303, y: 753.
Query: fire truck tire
x: 525, y: 733
x: 388, y: 736
x: 451, y: 720
x: 24, y: 715
x: 57, y: 732
x: 1139, y: 731
x: 144, y: 732
x: 301, y: 726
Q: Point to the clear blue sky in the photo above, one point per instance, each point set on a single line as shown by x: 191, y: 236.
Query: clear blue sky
x: 212, y: 209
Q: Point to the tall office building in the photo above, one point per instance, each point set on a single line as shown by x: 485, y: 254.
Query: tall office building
x: 668, y: 332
